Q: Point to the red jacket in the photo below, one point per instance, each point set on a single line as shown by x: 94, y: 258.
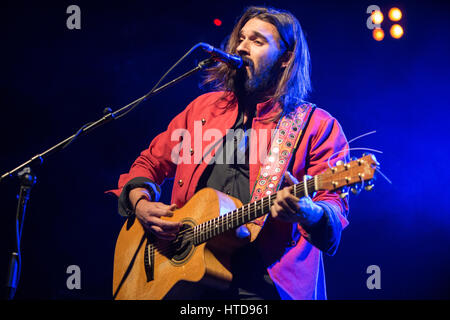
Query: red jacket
x: 293, y: 254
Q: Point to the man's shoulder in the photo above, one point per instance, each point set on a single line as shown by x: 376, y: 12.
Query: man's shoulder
x: 211, y: 97
x: 322, y: 114
x: 322, y: 119
x: 210, y: 102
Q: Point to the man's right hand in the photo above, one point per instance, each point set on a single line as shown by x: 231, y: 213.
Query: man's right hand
x: 149, y: 215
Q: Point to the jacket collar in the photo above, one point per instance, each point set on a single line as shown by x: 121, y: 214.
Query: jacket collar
x: 264, y: 110
x: 267, y: 109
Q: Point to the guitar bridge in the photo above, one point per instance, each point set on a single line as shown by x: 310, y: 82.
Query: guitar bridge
x: 149, y: 261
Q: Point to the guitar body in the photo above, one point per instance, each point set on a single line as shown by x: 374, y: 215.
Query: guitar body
x: 147, y: 268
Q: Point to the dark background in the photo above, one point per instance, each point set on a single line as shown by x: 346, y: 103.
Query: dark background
x: 54, y: 80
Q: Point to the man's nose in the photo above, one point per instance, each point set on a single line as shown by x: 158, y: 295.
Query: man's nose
x: 242, y: 48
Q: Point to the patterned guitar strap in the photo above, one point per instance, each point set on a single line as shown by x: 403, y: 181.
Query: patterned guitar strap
x: 284, y: 143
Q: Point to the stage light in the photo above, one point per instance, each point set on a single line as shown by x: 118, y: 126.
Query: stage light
x: 396, y: 31
x: 378, y: 34
x: 395, y: 14
x: 217, y: 22
x: 377, y: 17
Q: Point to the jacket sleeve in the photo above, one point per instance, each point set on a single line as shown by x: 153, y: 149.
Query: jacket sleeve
x: 125, y: 207
x: 153, y: 165
x: 327, y: 146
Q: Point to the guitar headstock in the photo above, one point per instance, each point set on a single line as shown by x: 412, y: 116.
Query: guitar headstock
x: 358, y: 171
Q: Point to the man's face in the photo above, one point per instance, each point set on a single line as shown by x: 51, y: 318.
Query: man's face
x: 259, y: 47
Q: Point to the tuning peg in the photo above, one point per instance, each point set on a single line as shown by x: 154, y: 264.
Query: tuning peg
x: 343, y: 195
x: 339, y: 163
x: 373, y: 158
x: 369, y: 185
x: 356, y: 189
x: 376, y: 163
x: 344, y: 192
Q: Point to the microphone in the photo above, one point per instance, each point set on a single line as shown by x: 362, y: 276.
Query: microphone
x: 234, y: 61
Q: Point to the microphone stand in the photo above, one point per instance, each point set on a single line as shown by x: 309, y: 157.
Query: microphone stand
x: 28, y: 179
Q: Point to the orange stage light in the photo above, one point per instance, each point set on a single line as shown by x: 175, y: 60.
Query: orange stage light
x: 378, y: 34
x: 395, y: 14
x: 396, y: 31
x: 377, y: 17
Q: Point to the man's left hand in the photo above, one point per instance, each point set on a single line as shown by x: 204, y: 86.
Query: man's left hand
x: 289, y: 208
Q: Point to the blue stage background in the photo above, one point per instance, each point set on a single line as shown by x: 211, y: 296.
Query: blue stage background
x: 54, y: 80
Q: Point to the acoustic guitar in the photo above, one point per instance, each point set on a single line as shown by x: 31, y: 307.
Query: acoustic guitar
x: 146, y: 267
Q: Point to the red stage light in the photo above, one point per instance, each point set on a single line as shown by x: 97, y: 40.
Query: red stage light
x: 217, y: 22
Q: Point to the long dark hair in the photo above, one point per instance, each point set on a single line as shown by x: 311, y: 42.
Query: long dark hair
x: 294, y: 82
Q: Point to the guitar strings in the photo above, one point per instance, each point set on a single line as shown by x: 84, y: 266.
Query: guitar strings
x: 234, y: 217
x: 235, y: 212
x: 190, y: 233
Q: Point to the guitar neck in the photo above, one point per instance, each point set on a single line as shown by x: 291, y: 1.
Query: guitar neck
x: 249, y: 212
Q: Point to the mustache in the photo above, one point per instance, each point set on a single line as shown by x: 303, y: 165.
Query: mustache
x: 247, y: 61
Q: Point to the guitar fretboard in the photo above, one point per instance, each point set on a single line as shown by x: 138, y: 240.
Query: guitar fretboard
x: 249, y: 212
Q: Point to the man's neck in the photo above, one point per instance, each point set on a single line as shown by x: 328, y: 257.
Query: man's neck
x: 247, y: 103
x: 248, y: 107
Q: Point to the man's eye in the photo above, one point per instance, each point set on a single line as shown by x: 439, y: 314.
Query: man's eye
x: 257, y: 42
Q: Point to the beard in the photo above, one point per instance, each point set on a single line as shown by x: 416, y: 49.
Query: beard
x: 262, y: 82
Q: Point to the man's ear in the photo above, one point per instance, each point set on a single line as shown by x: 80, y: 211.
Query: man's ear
x: 286, y: 58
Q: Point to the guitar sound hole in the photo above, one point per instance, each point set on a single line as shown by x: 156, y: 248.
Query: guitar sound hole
x: 183, y: 245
